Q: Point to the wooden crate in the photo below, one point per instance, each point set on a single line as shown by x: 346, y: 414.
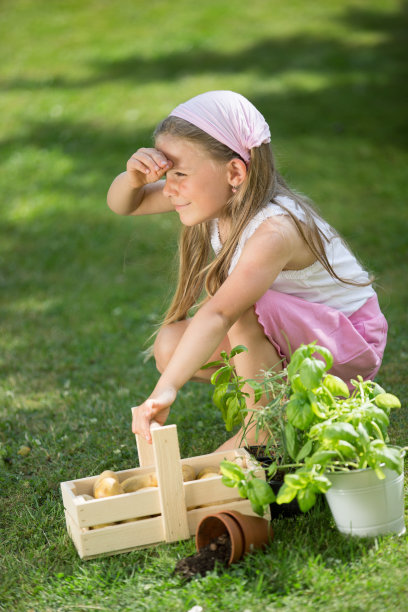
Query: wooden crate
x: 167, y: 513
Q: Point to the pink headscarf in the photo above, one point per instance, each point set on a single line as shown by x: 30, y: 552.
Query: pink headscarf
x: 229, y: 118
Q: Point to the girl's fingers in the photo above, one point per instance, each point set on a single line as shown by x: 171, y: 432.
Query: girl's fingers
x: 149, y: 161
x: 141, y: 423
x: 152, y: 409
x: 142, y: 418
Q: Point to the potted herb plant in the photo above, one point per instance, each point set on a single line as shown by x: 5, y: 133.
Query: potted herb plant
x: 230, y: 398
x: 335, y: 438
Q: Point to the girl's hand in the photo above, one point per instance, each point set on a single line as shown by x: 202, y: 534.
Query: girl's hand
x: 147, y: 166
x: 155, y: 408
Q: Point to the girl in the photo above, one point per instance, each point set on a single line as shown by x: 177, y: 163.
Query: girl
x: 276, y: 275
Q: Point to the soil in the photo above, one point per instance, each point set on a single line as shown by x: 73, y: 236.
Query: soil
x: 285, y: 510
x: 205, y: 560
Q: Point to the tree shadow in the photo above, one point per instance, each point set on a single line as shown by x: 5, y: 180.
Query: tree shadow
x: 362, y: 88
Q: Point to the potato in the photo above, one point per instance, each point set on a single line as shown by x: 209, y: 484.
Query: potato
x: 105, y: 474
x: 102, y: 525
x: 212, y: 470
x: 134, y: 483
x: 84, y: 498
x: 107, y: 487
x: 208, y: 475
x: 188, y: 472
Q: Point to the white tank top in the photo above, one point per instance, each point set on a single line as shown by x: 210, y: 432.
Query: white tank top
x: 313, y: 283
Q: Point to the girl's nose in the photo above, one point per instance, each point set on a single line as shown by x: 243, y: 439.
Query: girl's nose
x: 169, y: 189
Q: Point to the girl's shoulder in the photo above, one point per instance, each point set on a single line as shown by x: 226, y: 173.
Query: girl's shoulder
x: 281, y: 206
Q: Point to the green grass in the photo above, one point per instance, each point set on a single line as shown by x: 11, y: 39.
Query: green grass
x: 83, y: 85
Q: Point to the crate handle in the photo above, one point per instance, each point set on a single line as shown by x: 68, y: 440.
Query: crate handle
x: 164, y: 455
x: 170, y: 481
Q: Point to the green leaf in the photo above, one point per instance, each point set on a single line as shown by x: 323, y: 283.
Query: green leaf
x: 336, y: 385
x: 326, y: 354
x: 376, y: 389
x: 240, y: 348
x: 294, y: 481
x: 297, y: 386
x: 319, y: 408
x: 304, y: 451
x: 296, y: 360
x: 299, y: 413
x: 260, y: 493
x: 340, y: 431
x: 234, y: 416
x: 322, y: 457
x: 321, y: 483
x: 311, y: 372
x: 220, y: 395
x: 346, y: 449
x: 222, y: 375
x: 228, y: 482
x: 212, y: 364
x: 291, y: 440
x: 364, y: 435
x: 391, y: 457
x: 379, y: 416
x: 387, y: 401
x: 306, y: 499
x: 286, y: 494
x: 232, y: 471
x: 243, y: 488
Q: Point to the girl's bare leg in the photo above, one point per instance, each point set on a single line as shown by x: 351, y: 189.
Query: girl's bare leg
x: 166, y: 342
x: 261, y: 355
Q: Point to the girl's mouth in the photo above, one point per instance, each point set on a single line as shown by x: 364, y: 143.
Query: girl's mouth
x: 180, y: 206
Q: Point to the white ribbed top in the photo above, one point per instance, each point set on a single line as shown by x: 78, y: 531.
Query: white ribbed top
x: 313, y: 283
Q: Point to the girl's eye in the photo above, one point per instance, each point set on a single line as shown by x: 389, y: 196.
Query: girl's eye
x: 179, y: 174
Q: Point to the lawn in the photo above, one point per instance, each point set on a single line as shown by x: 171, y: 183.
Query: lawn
x: 83, y: 85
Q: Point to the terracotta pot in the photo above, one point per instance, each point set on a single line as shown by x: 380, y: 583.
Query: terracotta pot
x: 246, y: 532
x: 214, y: 525
x: 257, y: 532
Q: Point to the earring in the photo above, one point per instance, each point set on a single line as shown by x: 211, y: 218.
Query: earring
x: 234, y: 188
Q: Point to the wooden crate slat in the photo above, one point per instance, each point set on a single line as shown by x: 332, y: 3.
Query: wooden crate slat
x: 170, y: 481
x: 127, y: 536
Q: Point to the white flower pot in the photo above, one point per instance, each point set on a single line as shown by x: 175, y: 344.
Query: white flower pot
x: 363, y: 505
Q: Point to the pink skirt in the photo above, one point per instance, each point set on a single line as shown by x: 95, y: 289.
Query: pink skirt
x: 356, y: 342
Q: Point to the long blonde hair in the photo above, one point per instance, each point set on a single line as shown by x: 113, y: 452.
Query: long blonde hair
x: 263, y: 183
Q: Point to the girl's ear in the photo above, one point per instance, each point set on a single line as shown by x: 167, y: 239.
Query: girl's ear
x: 236, y: 172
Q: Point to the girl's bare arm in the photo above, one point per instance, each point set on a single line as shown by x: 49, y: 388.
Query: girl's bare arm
x: 139, y: 190
x: 269, y: 250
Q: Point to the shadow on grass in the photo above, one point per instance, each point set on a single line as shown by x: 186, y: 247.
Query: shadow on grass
x: 360, y: 78
x: 62, y: 270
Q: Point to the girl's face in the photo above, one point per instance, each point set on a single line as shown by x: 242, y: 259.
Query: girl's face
x: 196, y: 185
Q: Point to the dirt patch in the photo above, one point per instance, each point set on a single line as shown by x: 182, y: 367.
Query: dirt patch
x: 205, y: 560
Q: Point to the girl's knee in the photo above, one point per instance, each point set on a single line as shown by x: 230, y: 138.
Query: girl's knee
x: 166, y: 342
